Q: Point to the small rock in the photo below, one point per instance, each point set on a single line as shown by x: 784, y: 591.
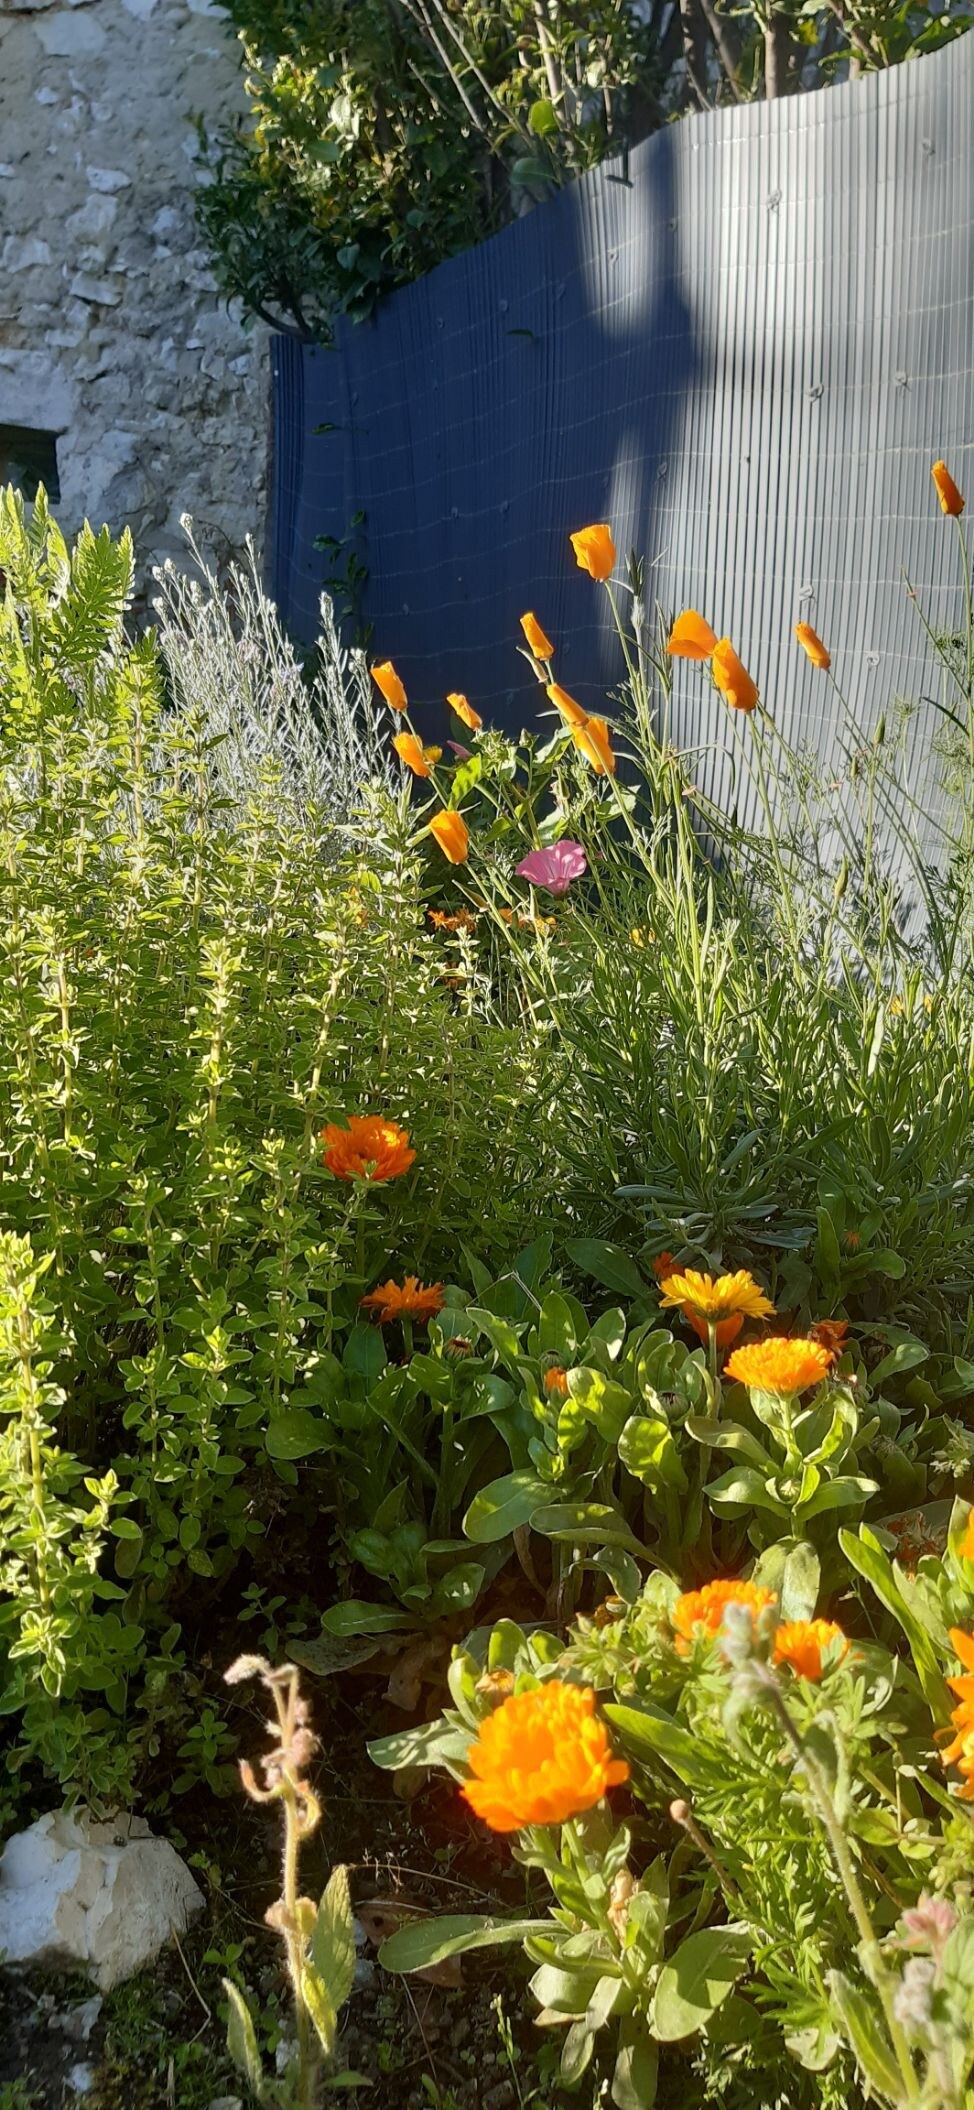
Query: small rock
x: 225, y: 2102
x: 78, y: 2022
x: 81, y: 2078
x: 106, y: 1897
x: 365, y: 1973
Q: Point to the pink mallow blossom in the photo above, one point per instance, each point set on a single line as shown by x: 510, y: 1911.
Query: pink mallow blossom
x: 554, y: 868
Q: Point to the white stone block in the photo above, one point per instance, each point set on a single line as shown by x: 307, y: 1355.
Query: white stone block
x: 101, y: 292
x: 21, y: 252
x: 103, y: 1897
x: 94, y: 217
x: 69, y: 36
x: 107, y: 179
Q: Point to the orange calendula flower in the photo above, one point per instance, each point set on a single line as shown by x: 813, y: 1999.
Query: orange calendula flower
x: 947, y: 492
x: 779, y: 1365
x: 450, y: 830
x: 811, y: 643
x: 406, y: 1300
x: 732, y: 678
x: 537, y: 638
x: 595, y: 551
x: 416, y: 757
x: 463, y: 920
x: 540, y: 1758
x: 593, y: 740
x: 386, y: 679
x: 831, y: 1333
x: 556, y: 1381
x: 966, y: 1546
x: 691, y: 637
x: 571, y: 711
x: 802, y: 1644
x: 702, y: 1611
x: 720, y: 1297
x: 464, y: 710
x: 961, y: 1752
x: 368, y: 1149
x: 663, y: 1265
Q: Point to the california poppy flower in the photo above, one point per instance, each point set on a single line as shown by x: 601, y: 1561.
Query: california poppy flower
x: 595, y: 551
x: 386, y: 679
x: 811, y: 643
x: 416, y: 757
x: 947, y: 492
x: 450, y: 830
x: 733, y: 679
x: 571, y: 711
x: 540, y: 1758
x: 408, y: 1300
x: 801, y: 1643
x: 464, y: 710
x: 592, y: 739
x: 702, y: 1611
x: 369, y: 1148
x: 779, y: 1365
x: 691, y: 637
x: 539, y: 642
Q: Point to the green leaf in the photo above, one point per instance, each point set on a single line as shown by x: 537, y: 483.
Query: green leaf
x: 503, y: 1506
x: 647, y: 1735
x: 905, y: 1356
x: 431, y: 1744
x: 648, y: 1451
x: 333, y: 1942
x: 706, y: 1967
x: 864, y: 2032
x: 800, y: 1582
x: 297, y: 1434
x: 431, y: 1941
x: 584, y: 1522
x: 242, y: 2039
x: 356, y: 1616
x: 605, y: 1403
x: 866, y: 1555
x: 634, y: 2080
x: 543, y: 117
x: 365, y: 1353
x: 607, y: 1264
x: 317, y: 2000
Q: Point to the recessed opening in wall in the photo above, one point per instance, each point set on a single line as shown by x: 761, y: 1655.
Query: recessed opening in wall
x: 29, y: 458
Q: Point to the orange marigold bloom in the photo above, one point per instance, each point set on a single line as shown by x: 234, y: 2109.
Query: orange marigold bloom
x: 463, y: 920
x: 811, y: 643
x: 802, y: 1643
x: 779, y: 1365
x: 961, y: 1752
x: 464, y: 710
x: 450, y: 830
x: 537, y: 638
x: 386, y: 679
x: 947, y: 492
x: 663, y: 1265
x: 369, y: 1148
x: 831, y: 1333
x: 593, y: 740
x: 732, y: 678
x: 571, y: 711
x: 595, y: 551
x: 416, y: 757
x: 556, y: 1381
x: 409, y: 1300
x: 704, y: 1609
x: 540, y: 1758
x: 716, y: 1298
x: 691, y: 637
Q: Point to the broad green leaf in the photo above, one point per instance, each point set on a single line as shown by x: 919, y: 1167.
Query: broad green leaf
x: 543, y: 117
x: 864, y: 2031
x: 356, y: 1616
x: 728, y: 1436
x: 242, y: 2039
x: 431, y: 1941
x: 648, y: 1451
x: 867, y: 1557
x: 365, y: 1353
x: 333, y: 1942
x: 606, y: 1404
x: 607, y: 1264
x: 694, y: 1982
x: 558, y: 1327
x: 905, y: 1356
x: 850, y: 1492
x: 431, y: 1744
x: 317, y: 2000
x: 634, y: 2078
x: 648, y: 1735
x: 503, y: 1506
x: 501, y: 1336
x: 744, y: 1488
x: 585, y: 1522
x: 800, y: 1582
x: 297, y: 1434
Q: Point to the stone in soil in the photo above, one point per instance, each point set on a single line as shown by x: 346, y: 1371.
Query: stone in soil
x: 76, y: 1893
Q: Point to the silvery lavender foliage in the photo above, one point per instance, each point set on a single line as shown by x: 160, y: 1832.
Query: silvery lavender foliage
x: 230, y: 664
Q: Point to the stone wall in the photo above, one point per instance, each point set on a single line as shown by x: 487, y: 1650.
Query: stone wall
x: 112, y: 333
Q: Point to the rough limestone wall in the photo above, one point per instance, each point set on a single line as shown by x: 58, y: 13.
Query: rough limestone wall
x: 111, y: 330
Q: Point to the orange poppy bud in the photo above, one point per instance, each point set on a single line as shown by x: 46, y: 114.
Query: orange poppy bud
x: 595, y: 551
x: 571, y: 711
x: 691, y: 637
x: 811, y: 643
x: 386, y: 679
x: 464, y: 710
x: 947, y: 492
x: 733, y: 679
x: 450, y: 830
x: 416, y: 758
x: 592, y: 739
x: 541, y: 645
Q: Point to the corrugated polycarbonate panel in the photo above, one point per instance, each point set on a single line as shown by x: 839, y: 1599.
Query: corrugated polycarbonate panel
x: 746, y: 358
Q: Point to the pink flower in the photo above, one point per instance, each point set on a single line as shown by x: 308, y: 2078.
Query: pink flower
x: 462, y: 753
x: 554, y: 869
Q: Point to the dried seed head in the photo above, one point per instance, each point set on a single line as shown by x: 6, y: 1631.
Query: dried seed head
x: 245, y: 1667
